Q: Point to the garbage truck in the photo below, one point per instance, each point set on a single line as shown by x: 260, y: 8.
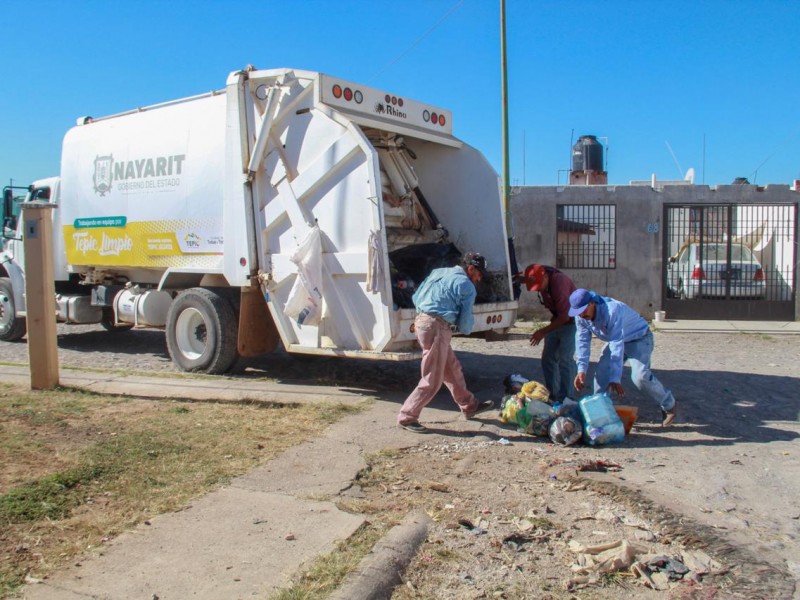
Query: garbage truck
x: 290, y: 207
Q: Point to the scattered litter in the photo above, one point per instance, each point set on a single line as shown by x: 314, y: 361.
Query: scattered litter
x: 656, y: 571
x: 525, y: 525
x: 516, y: 541
x: 438, y: 487
x: 503, y: 442
x: 289, y: 537
x: 601, y: 465
x: 699, y: 562
x: 576, y: 487
x: 583, y: 581
x: 604, y: 558
x: 606, y: 515
x: 644, y: 535
x: 469, y: 526
x: 513, y: 383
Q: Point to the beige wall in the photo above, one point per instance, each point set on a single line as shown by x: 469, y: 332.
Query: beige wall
x: 637, y: 278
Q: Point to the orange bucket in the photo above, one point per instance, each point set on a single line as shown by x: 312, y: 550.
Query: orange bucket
x: 628, y: 415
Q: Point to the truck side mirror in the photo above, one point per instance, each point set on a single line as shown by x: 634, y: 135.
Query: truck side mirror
x: 8, y: 201
x: 9, y: 220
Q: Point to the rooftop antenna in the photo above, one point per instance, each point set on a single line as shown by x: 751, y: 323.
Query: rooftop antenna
x: 704, y: 159
x: 677, y: 164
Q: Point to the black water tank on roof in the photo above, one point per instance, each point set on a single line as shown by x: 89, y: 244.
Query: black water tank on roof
x: 587, y: 154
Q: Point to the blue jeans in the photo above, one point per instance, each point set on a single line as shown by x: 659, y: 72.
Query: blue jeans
x: 558, y: 362
x: 637, y: 353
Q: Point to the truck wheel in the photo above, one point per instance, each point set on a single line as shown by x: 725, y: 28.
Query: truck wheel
x: 12, y: 328
x: 201, y: 332
x: 107, y: 321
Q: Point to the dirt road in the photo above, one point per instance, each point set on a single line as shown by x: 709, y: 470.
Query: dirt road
x: 730, y: 462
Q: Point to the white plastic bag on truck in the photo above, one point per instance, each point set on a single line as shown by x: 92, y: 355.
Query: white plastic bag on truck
x: 305, y: 298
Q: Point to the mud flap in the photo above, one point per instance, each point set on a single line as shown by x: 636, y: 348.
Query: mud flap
x: 257, y: 331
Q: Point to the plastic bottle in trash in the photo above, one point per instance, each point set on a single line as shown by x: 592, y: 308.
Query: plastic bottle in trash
x: 601, y: 424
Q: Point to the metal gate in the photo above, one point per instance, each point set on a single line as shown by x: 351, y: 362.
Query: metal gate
x: 730, y: 261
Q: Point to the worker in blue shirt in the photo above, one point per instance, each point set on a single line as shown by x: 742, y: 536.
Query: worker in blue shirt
x: 628, y: 337
x: 444, y: 303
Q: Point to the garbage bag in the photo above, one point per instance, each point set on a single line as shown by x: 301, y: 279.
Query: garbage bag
x: 536, y: 417
x: 513, y: 383
x: 305, y: 298
x: 568, y: 408
x: 418, y: 260
x: 509, y: 407
x: 566, y: 431
x: 533, y: 390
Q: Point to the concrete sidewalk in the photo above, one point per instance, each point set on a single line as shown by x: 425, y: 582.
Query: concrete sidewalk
x: 693, y: 326
x: 247, y: 539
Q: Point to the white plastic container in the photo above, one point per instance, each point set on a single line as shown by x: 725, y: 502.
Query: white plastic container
x: 601, y: 423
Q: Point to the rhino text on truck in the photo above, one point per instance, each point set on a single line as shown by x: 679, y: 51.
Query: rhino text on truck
x: 291, y: 207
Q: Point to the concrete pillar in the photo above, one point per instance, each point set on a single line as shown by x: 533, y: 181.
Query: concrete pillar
x: 40, y: 294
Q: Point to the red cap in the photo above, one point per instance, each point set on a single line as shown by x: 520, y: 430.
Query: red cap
x: 534, y: 277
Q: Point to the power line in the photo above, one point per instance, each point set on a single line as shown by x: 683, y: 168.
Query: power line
x: 416, y: 42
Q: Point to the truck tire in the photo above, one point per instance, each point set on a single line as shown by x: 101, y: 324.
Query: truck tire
x: 12, y: 328
x: 107, y: 321
x: 201, y: 332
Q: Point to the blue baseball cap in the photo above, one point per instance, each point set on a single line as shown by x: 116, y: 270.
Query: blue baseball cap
x: 579, y: 300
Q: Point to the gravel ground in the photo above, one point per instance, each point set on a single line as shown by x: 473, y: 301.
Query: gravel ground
x: 729, y: 465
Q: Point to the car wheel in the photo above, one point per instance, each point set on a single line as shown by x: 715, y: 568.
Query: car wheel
x: 12, y: 328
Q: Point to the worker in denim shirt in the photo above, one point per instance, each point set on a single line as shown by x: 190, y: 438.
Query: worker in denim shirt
x: 628, y: 337
x: 444, y: 302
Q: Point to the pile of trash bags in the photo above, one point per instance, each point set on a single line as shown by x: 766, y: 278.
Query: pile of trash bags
x: 592, y: 419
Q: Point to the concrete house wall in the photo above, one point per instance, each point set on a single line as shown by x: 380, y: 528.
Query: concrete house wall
x: 639, y: 213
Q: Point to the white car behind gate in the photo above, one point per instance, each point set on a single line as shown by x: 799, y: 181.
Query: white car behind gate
x: 691, y: 276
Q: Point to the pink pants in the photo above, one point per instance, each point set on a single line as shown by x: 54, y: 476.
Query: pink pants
x: 439, y: 365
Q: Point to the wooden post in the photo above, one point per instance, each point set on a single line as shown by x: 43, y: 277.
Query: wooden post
x: 40, y: 294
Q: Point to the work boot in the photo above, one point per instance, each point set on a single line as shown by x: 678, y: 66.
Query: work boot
x: 414, y: 427
x: 668, y: 416
x: 484, y: 406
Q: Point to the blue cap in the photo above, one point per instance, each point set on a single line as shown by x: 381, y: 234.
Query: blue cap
x: 579, y: 300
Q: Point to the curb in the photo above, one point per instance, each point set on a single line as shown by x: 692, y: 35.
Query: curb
x: 379, y: 572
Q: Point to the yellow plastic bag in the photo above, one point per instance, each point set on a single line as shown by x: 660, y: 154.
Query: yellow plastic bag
x: 508, y: 414
x: 533, y: 390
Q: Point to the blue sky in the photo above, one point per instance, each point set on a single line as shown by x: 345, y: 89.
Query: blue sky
x: 666, y: 85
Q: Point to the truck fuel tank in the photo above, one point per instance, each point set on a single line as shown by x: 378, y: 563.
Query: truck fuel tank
x: 77, y: 309
x: 143, y: 309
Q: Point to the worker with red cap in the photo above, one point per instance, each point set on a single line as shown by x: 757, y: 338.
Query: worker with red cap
x: 558, y: 361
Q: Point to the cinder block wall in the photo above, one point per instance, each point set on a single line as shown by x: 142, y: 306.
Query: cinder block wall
x: 637, y: 278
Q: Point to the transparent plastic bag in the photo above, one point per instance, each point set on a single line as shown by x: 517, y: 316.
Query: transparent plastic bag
x: 566, y: 431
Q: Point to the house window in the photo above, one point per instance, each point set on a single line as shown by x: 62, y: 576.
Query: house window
x: 586, y: 236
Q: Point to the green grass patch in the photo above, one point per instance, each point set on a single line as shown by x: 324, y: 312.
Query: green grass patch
x: 49, y: 497
x: 327, y: 573
x: 77, y: 468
